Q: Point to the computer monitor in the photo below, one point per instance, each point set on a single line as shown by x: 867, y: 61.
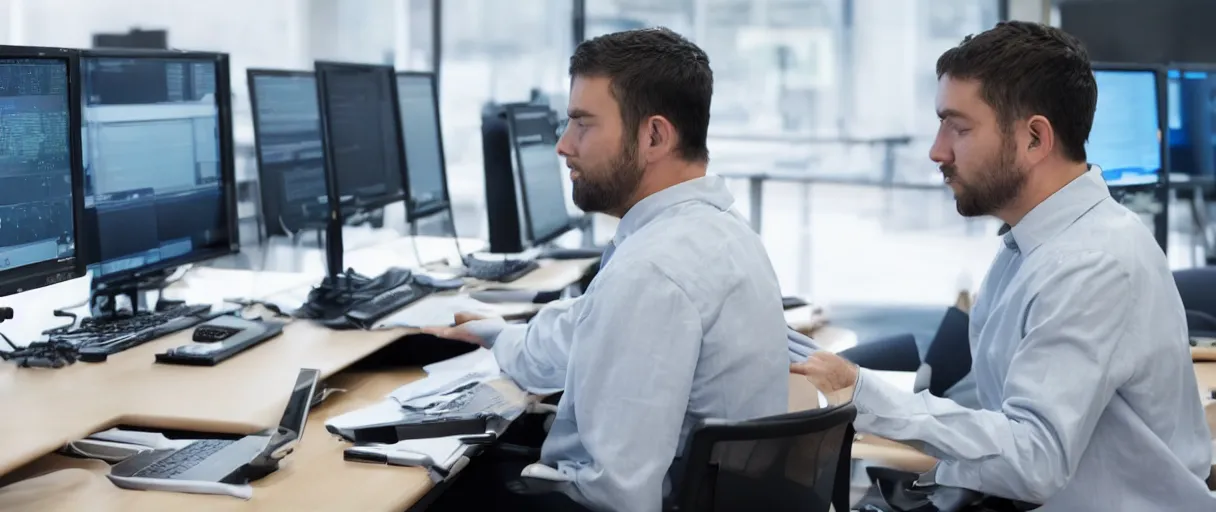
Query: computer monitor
x: 361, y: 133
x: 539, y: 172
x: 159, y: 182
x: 291, y: 159
x: 423, y: 140
x: 1129, y: 124
x: 41, y: 177
x: 1190, y: 115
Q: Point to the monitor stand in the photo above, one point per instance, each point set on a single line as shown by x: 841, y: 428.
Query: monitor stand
x: 342, y: 288
x: 128, y: 297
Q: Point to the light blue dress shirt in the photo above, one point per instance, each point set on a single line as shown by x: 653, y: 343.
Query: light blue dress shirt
x: 1082, y: 367
x: 683, y: 323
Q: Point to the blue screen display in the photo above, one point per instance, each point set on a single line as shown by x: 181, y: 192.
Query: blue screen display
x: 1126, y: 140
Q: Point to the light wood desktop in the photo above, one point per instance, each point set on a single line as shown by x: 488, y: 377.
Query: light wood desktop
x: 48, y: 408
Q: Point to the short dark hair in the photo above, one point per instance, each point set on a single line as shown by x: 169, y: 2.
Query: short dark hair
x: 1027, y: 69
x: 654, y: 71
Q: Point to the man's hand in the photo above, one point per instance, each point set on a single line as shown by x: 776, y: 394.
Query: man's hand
x: 457, y: 332
x: 831, y: 374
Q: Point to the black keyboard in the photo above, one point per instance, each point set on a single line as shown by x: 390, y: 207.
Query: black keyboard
x: 97, y: 338
x: 184, y: 459
x: 368, y: 312
x: 503, y: 271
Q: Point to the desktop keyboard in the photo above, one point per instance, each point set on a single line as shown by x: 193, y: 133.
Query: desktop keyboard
x: 503, y: 271
x: 368, y: 312
x: 184, y: 459
x: 98, y: 337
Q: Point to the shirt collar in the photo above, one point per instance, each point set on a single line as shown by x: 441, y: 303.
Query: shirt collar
x: 707, y: 189
x: 1055, y: 213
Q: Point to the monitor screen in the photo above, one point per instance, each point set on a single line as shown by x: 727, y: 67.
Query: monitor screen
x: 154, y: 172
x: 37, y: 219
x: 1126, y: 139
x: 423, y: 144
x: 363, y: 137
x: 534, y: 141
x: 1191, y: 115
x: 291, y: 161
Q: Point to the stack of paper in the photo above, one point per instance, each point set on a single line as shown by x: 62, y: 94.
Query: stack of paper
x: 448, y: 384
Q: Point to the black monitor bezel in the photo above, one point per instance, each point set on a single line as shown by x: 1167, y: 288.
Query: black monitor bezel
x: 414, y: 211
x: 518, y: 168
x: 223, y: 103
x: 37, y: 275
x: 320, y: 68
x: 271, y: 205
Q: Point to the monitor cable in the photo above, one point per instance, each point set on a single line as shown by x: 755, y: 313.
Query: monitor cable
x: 38, y: 354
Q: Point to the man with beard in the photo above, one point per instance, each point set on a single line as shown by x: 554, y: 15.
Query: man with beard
x: 1078, y: 337
x: 684, y: 320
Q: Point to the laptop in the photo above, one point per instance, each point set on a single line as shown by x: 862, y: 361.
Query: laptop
x: 225, y: 460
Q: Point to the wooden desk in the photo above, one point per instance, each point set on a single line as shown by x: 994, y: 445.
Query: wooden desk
x: 314, y: 477
x: 49, y: 408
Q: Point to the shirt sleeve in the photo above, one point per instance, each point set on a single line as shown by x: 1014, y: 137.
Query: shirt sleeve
x: 631, y: 373
x: 535, y: 355
x: 1062, y: 376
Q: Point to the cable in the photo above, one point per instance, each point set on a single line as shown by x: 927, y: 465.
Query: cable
x: 38, y: 354
x: 286, y: 230
x: 7, y: 314
x: 10, y: 342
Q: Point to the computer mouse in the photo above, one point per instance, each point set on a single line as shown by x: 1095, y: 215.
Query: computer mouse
x: 208, y: 333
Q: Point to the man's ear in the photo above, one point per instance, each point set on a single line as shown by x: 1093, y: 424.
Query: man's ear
x: 659, y: 137
x: 1041, y: 138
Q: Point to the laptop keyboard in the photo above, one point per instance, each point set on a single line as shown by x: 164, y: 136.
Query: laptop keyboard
x: 184, y: 459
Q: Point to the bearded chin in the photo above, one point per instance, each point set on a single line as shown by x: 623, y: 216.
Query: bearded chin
x: 994, y: 191
x: 607, y: 190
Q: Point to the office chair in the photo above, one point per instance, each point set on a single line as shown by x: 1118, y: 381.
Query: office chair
x: 896, y: 353
x: 949, y: 356
x: 1197, y: 287
x: 946, y: 362
x: 797, y: 461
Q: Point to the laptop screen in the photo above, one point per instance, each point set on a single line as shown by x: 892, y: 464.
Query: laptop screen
x: 300, y: 402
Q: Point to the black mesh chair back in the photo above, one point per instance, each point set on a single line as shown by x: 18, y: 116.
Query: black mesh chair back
x: 797, y: 461
x: 1197, y: 287
x: 949, y: 354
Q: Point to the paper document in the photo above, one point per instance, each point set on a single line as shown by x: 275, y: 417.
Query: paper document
x: 437, y: 384
x: 436, y: 310
x: 385, y: 411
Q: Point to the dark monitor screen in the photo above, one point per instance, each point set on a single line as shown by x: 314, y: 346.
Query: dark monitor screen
x: 1126, y: 137
x: 37, y: 180
x: 291, y: 160
x: 534, y: 142
x: 1190, y: 117
x: 155, y: 170
x: 361, y: 132
x: 420, y: 130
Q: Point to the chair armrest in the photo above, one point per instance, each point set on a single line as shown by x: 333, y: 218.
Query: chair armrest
x: 542, y: 472
x: 538, y: 479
